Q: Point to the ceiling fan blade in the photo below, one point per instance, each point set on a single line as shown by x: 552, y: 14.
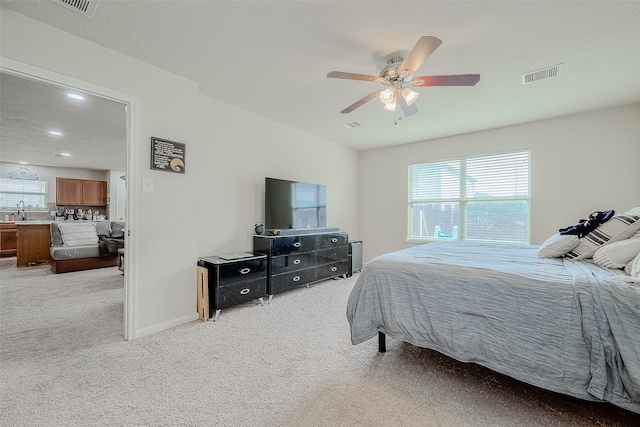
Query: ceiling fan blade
x: 354, y: 76
x: 420, y: 52
x: 408, y: 110
x: 361, y: 102
x: 453, y: 80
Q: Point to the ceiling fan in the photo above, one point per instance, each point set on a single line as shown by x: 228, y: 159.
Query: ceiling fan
x: 399, y: 72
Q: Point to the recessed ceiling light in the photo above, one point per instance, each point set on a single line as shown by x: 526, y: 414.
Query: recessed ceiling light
x: 62, y: 155
x: 23, y: 163
x: 55, y: 132
x: 75, y: 96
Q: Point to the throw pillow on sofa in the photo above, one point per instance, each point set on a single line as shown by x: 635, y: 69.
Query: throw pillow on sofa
x: 78, y: 233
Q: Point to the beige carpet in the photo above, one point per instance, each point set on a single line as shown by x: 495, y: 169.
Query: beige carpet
x: 290, y: 363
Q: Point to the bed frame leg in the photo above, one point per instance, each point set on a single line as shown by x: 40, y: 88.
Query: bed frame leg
x: 382, y: 344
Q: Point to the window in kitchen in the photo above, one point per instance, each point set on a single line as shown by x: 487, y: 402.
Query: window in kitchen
x: 471, y: 198
x: 32, y: 193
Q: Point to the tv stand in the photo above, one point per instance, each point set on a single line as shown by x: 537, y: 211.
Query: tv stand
x: 304, y: 257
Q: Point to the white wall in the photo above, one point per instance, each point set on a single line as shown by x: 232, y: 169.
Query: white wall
x: 212, y: 207
x: 579, y: 164
x: 164, y: 251
x: 238, y: 150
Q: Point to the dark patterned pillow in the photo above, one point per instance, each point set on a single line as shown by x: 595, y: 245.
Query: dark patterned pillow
x: 618, y: 228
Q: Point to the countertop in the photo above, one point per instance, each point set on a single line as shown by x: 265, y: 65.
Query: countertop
x: 26, y: 222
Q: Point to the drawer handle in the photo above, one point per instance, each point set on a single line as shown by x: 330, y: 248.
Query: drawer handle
x: 297, y: 244
x: 245, y: 270
x: 295, y: 279
x: 296, y: 261
x: 334, y: 240
x: 334, y: 268
x: 245, y: 291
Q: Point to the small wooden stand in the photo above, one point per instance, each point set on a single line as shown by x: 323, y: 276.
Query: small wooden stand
x: 203, y: 293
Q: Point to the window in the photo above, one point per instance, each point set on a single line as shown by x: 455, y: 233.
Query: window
x: 33, y: 193
x: 475, y: 198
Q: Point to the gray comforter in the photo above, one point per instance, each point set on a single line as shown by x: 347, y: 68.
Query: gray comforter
x: 571, y: 329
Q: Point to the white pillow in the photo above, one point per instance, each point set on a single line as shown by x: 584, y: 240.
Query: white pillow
x: 618, y: 254
x: 634, y: 211
x: 558, y: 245
x: 633, y: 268
x: 620, y: 227
x: 78, y: 233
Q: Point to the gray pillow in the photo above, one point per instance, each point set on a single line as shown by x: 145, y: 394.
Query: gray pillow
x: 117, y: 229
x: 102, y: 228
x: 56, y: 237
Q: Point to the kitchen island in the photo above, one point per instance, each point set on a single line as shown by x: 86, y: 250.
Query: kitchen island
x: 34, y: 243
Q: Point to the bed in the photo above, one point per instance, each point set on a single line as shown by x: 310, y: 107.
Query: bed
x: 571, y: 327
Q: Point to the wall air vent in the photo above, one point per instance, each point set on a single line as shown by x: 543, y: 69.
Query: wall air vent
x: 351, y: 125
x: 544, y: 73
x: 85, y: 7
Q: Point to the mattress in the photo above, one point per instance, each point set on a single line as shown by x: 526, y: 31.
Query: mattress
x: 500, y: 306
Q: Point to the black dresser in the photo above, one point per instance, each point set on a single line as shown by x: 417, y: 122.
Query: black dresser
x: 226, y: 282
x: 298, y: 260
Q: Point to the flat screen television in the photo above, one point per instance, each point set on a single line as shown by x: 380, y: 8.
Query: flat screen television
x: 294, y: 204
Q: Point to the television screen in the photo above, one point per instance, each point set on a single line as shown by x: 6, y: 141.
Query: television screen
x: 293, y: 204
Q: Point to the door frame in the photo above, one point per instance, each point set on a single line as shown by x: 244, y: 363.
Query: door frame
x: 11, y: 66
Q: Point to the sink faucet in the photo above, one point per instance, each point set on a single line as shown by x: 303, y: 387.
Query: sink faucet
x: 23, y: 208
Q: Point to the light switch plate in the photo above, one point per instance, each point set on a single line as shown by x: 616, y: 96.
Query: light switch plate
x: 147, y: 185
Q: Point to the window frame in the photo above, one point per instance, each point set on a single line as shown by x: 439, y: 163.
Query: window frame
x: 22, y: 194
x: 463, y: 200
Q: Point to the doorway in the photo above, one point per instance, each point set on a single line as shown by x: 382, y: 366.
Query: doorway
x: 26, y: 71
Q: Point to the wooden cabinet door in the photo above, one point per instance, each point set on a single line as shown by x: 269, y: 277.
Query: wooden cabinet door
x: 8, y: 240
x: 94, y: 193
x: 68, y: 191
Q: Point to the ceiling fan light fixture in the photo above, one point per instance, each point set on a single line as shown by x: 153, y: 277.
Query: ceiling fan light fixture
x: 390, y: 106
x: 386, y: 96
x: 409, y: 95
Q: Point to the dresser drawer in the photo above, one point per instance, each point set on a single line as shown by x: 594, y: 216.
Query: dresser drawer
x: 332, y: 255
x: 284, y: 282
x: 241, y: 271
x: 238, y: 293
x: 293, y: 244
x: 332, y: 240
x: 288, y: 263
x: 332, y: 270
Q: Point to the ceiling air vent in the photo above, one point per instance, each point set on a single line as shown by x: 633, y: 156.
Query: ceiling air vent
x: 85, y: 7
x: 351, y: 125
x: 544, y: 73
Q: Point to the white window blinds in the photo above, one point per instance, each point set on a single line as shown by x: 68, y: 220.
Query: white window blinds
x: 476, y: 198
x: 32, y: 192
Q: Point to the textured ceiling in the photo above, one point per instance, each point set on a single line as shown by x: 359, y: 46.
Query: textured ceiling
x: 93, y: 130
x: 271, y: 57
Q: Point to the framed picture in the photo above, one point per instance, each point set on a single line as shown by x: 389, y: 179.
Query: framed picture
x: 168, y: 156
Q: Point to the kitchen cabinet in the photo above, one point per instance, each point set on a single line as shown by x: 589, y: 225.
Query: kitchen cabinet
x: 34, y: 241
x: 84, y: 192
x: 8, y: 239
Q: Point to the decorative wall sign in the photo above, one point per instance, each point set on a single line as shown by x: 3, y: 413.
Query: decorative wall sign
x: 23, y: 173
x: 168, y: 156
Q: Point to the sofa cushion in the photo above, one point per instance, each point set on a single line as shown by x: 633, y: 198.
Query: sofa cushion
x: 78, y: 233
x: 56, y: 237
x: 102, y: 228
x: 117, y: 229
